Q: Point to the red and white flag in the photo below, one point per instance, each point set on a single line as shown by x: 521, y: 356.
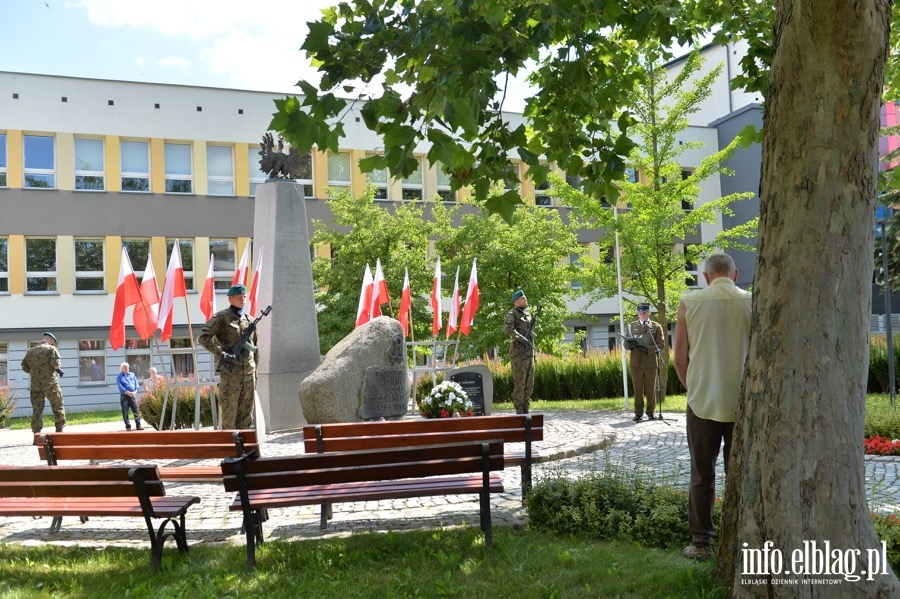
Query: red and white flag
x: 471, y: 306
x: 379, y: 292
x: 242, y: 272
x: 365, y: 298
x: 173, y: 288
x: 128, y: 293
x: 146, y: 313
x: 405, y: 304
x: 436, y: 299
x: 208, y: 297
x: 254, y: 288
x: 453, y: 317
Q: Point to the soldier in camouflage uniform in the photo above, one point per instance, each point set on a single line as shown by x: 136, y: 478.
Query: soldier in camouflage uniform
x: 42, y: 363
x: 237, y: 374
x: 521, y: 352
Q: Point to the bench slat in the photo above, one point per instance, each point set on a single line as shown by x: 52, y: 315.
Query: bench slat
x: 170, y: 506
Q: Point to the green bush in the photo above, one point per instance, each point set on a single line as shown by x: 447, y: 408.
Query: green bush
x: 151, y: 404
x: 7, y: 402
x: 879, y: 381
x: 888, y: 529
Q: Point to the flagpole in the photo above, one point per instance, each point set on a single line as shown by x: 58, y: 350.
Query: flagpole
x: 621, y: 313
x: 187, y: 309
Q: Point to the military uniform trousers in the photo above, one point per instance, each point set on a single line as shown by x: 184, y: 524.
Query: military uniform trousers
x: 236, y: 392
x: 522, y: 363
x: 52, y: 392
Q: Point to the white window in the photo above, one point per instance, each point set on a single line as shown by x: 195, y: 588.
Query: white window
x: 40, y: 265
x: 412, y: 185
x: 690, y: 265
x: 136, y: 166
x: 306, y: 175
x: 4, y: 361
x: 220, y: 170
x: 137, y: 354
x: 224, y: 253
x: 4, y: 265
x: 138, y: 251
x: 257, y: 177
x: 179, y: 172
x: 182, y: 363
x: 443, y: 185
x: 89, y: 169
x: 542, y: 194
x: 89, y: 270
x: 3, y: 182
x: 92, y: 362
x: 187, y: 259
x: 378, y: 178
x: 40, y: 161
x: 339, y: 171
x: 631, y: 175
x: 687, y: 203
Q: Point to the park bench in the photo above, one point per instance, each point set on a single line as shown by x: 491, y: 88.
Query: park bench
x: 510, y: 428
x: 261, y: 484
x: 84, y: 491
x: 180, y: 445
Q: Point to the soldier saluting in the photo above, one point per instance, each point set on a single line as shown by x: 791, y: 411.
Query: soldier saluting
x: 42, y: 362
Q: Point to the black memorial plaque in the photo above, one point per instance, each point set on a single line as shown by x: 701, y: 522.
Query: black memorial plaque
x: 385, y: 392
x: 473, y: 385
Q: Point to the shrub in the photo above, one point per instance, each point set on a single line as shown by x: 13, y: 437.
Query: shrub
x: 151, y: 404
x: 7, y: 402
x: 888, y: 529
x: 879, y: 381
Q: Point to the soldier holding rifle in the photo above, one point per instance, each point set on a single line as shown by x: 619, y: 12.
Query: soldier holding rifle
x: 519, y: 325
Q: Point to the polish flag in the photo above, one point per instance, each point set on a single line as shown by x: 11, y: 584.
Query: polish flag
x: 365, y: 298
x: 173, y: 288
x: 242, y: 272
x: 128, y: 293
x: 379, y: 292
x: 436, y: 299
x: 405, y: 304
x: 254, y: 288
x: 471, y: 306
x: 208, y: 297
x: 146, y: 314
x: 453, y: 317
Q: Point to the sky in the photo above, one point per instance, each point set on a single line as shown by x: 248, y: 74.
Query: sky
x: 240, y: 44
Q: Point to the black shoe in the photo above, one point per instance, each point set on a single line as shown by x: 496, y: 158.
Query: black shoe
x: 651, y: 417
x: 127, y: 427
x: 637, y: 418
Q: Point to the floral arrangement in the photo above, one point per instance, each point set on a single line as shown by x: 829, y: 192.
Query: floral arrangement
x: 445, y: 401
x: 878, y: 445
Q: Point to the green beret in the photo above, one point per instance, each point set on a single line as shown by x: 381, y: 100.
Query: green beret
x: 518, y: 293
x: 237, y: 290
x: 52, y: 336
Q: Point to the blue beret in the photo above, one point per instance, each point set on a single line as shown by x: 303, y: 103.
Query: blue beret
x: 518, y: 293
x: 237, y: 290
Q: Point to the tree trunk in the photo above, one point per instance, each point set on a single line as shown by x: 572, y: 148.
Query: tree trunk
x: 797, y: 470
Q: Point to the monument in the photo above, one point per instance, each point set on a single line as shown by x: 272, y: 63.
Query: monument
x: 478, y: 383
x: 289, y: 337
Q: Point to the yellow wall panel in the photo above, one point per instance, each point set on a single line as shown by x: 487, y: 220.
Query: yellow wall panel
x: 113, y: 261
x: 241, y: 172
x: 198, y: 154
x: 157, y: 166
x: 14, y: 162
x: 65, y: 264
x: 17, y: 263
x: 358, y: 180
x: 65, y: 161
x: 160, y: 260
x: 112, y: 149
x: 320, y: 173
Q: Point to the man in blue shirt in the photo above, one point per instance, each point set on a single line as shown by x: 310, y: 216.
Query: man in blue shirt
x: 128, y: 388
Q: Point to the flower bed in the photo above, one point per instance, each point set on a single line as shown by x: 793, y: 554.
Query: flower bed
x: 878, y: 445
x: 445, y: 401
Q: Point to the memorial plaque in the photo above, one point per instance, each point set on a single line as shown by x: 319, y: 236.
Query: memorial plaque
x: 478, y: 384
x: 385, y: 392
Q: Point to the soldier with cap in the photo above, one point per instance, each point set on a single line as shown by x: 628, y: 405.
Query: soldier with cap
x: 521, y: 352
x: 645, y: 360
x: 42, y: 363
x: 237, y: 374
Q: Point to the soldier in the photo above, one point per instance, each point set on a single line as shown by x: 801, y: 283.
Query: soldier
x: 521, y: 352
x: 42, y: 363
x: 237, y: 374
x: 645, y: 357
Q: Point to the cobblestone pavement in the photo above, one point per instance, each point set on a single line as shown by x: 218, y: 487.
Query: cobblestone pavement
x: 575, y: 442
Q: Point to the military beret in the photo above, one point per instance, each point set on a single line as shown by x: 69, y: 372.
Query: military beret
x: 237, y: 290
x: 517, y: 294
x: 52, y: 336
x: 643, y: 307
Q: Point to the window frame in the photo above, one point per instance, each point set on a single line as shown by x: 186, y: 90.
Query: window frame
x: 96, y: 350
x: 382, y: 188
x: 141, y: 263
x: 444, y: 185
x: 83, y: 175
x: 410, y: 187
x: 35, y: 174
x: 4, y: 265
x: 219, y: 179
x: 186, y: 264
x: 182, y: 358
x: 52, y: 276
x: 4, y: 364
x: 134, y: 175
x: 257, y: 176
x: 90, y: 275
x: 174, y: 178
x: 340, y: 184
x: 134, y: 350
x: 222, y: 277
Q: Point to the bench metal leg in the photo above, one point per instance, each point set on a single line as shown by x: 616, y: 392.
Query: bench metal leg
x: 253, y: 529
x: 526, y: 479
x: 159, y: 535
x: 55, y: 524
x: 327, y: 514
x: 485, y: 509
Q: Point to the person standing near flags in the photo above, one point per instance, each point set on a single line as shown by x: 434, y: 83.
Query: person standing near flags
x: 42, y: 362
x: 237, y: 374
x: 521, y: 352
x: 128, y: 390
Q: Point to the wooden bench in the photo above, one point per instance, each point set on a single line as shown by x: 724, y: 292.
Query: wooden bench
x: 83, y: 491
x: 312, y: 479
x: 152, y: 445
x: 510, y: 428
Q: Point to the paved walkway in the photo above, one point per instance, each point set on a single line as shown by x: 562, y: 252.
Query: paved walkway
x: 574, y: 441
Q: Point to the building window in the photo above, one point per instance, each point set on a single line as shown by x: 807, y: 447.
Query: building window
x: 574, y: 181
x: 220, y: 170
x: 542, y: 194
x: 3, y: 182
x: 412, y: 185
x: 138, y: 252
x: 631, y: 175
x: 224, y: 253
x: 444, y: 189
x: 306, y: 175
x: 89, y: 269
x: 187, y: 260
x: 92, y: 361
x: 378, y: 178
x: 182, y: 363
x: 687, y: 203
x: 40, y: 161
x: 40, y: 265
x: 339, y: 171
x: 4, y: 361
x: 693, y: 273
x: 89, y: 170
x: 136, y: 166
x: 4, y: 265
x: 179, y: 173
x: 257, y: 177
x: 137, y: 354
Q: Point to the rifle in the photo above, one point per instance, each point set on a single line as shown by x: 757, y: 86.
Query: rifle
x: 230, y: 359
x: 529, y: 334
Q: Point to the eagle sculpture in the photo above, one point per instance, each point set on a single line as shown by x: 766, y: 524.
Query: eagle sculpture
x: 275, y: 163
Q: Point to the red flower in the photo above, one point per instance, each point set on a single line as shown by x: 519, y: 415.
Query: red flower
x: 878, y: 445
